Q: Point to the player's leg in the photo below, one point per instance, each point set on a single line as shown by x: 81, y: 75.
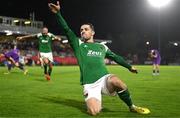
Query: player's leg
x: 92, y: 93
x: 117, y: 85
x: 154, y: 69
x: 50, y: 68
x: 93, y: 106
x: 46, y: 64
x: 157, y: 66
x: 41, y: 62
x: 9, y: 65
x: 114, y: 84
x: 157, y: 69
x: 44, y: 61
x: 21, y: 67
x: 47, y: 60
x: 50, y: 59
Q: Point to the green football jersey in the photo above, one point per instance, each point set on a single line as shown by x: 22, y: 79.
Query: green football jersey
x: 90, y: 56
x: 45, y: 42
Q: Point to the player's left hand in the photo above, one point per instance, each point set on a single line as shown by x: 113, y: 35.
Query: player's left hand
x: 54, y: 7
x: 133, y: 70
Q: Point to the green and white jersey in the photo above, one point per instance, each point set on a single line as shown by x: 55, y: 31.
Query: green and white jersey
x: 45, y: 42
x: 90, y: 56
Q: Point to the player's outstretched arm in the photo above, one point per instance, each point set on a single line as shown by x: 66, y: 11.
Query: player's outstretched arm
x: 25, y: 37
x: 72, y: 38
x: 55, y: 8
x: 118, y: 59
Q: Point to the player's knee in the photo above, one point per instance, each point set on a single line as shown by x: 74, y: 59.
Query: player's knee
x: 94, y: 111
x: 46, y: 61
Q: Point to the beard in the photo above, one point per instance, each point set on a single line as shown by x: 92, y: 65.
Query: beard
x: 85, y: 39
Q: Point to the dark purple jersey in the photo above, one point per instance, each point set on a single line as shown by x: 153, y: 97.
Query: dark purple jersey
x: 13, y: 54
x: 156, y: 56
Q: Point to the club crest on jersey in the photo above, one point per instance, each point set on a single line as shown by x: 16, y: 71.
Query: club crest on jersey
x: 85, y: 46
x: 94, y: 53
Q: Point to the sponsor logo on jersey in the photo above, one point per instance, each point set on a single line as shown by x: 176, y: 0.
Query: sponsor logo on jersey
x: 94, y: 53
x: 44, y: 41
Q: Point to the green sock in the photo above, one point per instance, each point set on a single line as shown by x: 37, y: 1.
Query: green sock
x: 125, y: 96
x: 50, y: 70
x: 45, y: 69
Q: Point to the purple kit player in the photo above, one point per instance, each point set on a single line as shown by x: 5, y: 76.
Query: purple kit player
x: 12, y: 58
x: 156, y: 58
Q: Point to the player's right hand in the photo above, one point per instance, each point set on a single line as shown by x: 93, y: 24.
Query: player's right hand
x: 133, y: 70
x: 53, y: 7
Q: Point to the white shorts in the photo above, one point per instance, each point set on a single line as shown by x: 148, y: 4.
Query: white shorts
x: 48, y: 55
x: 96, y: 89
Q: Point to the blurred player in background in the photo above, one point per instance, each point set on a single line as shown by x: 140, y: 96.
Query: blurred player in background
x: 156, y: 59
x: 13, y: 59
x: 45, y: 40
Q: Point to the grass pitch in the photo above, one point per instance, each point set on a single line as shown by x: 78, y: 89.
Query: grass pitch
x: 33, y: 96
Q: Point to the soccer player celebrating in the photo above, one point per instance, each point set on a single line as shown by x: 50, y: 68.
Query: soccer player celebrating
x: 94, y: 75
x: 45, y: 40
x: 12, y: 58
x: 156, y: 58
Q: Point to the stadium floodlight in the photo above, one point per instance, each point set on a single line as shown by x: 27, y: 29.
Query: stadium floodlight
x: 16, y: 21
x: 175, y: 44
x: 27, y: 22
x: 147, y: 43
x: 159, y: 3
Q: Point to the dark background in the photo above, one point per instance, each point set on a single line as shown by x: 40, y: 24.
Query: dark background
x: 128, y: 23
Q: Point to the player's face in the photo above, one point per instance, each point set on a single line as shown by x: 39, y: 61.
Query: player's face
x: 86, y: 32
x: 44, y: 31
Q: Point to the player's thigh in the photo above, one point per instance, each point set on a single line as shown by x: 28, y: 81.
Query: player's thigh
x: 45, y: 60
x: 113, y: 84
x: 47, y: 57
x: 92, y: 93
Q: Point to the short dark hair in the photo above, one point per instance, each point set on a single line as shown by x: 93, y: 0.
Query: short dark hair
x: 91, y: 25
x: 44, y: 27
